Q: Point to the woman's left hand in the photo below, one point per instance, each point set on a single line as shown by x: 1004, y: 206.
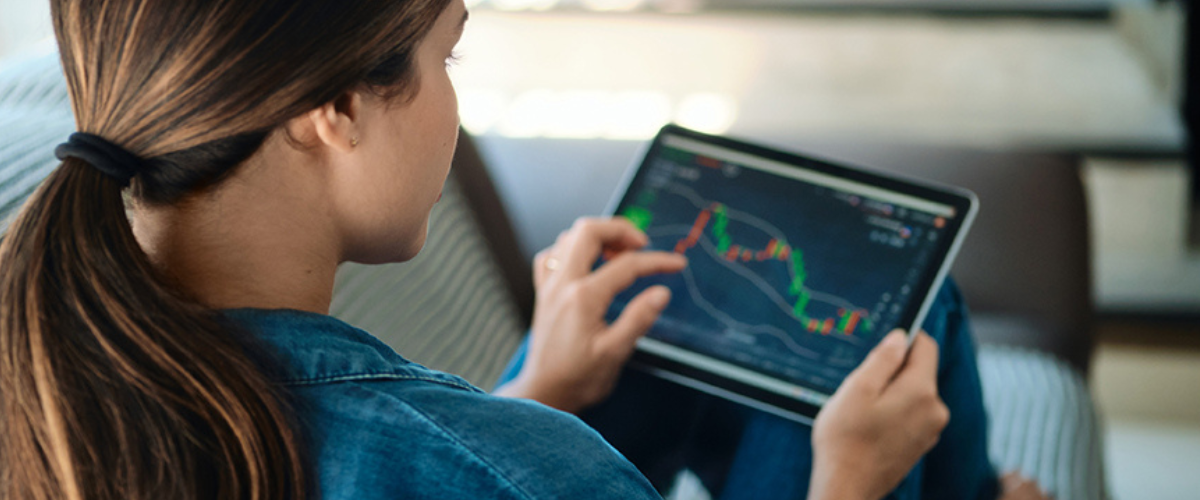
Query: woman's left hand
x: 575, y: 356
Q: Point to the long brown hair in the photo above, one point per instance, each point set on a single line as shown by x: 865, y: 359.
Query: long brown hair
x: 114, y: 384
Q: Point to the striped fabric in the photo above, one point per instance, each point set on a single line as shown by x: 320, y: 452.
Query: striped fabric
x: 449, y: 308
x: 35, y: 116
x: 1043, y: 422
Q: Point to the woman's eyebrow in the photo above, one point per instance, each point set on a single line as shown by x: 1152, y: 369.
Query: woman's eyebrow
x: 463, y: 22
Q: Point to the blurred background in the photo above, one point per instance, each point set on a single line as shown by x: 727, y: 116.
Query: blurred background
x: 547, y: 85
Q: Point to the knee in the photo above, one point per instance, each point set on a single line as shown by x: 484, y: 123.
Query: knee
x: 947, y: 316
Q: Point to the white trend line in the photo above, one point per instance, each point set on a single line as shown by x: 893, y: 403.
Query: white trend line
x: 734, y: 324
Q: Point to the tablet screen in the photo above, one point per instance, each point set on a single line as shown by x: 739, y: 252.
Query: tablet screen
x: 794, y: 274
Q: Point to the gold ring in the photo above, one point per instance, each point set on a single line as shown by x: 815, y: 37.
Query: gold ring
x: 551, y: 264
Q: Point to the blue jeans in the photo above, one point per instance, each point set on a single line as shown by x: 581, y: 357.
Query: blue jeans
x: 742, y: 453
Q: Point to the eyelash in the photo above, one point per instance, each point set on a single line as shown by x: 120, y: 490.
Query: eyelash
x: 453, y: 59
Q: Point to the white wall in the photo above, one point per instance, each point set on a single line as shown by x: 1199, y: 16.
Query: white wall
x: 22, y: 23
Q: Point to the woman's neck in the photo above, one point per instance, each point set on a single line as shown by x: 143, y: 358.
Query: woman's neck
x: 261, y: 239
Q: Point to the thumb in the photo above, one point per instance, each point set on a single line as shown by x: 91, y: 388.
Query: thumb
x: 636, y: 319
x: 883, y: 362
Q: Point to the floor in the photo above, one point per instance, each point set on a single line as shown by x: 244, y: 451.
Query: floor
x: 1151, y: 407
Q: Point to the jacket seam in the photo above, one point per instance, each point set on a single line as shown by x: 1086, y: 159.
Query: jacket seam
x: 358, y: 377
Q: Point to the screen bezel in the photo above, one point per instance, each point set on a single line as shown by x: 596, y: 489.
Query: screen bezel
x: 793, y: 407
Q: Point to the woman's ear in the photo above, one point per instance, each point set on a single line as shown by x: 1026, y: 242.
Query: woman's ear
x: 336, y: 123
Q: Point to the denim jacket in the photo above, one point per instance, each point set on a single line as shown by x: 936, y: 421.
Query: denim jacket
x: 379, y: 426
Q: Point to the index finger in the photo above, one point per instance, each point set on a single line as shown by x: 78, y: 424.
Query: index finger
x: 589, y: 237
x: 625, y: 269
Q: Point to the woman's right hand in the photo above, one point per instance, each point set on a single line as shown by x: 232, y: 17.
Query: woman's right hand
x: 883, y: 418
x: 575, y: 357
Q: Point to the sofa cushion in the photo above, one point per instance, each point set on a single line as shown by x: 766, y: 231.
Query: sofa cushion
x: 1043, y: 421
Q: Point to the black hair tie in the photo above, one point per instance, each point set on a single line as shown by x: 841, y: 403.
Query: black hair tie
x: 110, y: 159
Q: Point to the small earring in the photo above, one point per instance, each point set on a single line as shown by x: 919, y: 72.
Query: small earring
x: 354, y: 142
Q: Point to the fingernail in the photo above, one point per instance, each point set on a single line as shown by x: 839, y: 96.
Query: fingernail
x: 894, y: 339
x: 660, y: 296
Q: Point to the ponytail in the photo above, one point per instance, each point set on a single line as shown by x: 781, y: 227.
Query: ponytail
x: 114, y: 385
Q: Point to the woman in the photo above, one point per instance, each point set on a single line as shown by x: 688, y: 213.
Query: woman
x: 179, y: 347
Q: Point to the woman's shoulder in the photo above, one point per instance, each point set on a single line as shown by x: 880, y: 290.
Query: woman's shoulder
x: 429, y: 439
x: 379, y: 425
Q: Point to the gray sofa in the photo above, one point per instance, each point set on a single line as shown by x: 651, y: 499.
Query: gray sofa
x: 463, y: 305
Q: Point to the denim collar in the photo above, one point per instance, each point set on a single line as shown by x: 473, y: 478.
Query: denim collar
x: 308, y: 348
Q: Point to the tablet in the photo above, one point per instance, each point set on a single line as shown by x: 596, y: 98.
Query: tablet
x: 797, y: 267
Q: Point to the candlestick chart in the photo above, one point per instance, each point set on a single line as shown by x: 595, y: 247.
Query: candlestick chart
x: 849, y: 317
x: 791, y: 279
